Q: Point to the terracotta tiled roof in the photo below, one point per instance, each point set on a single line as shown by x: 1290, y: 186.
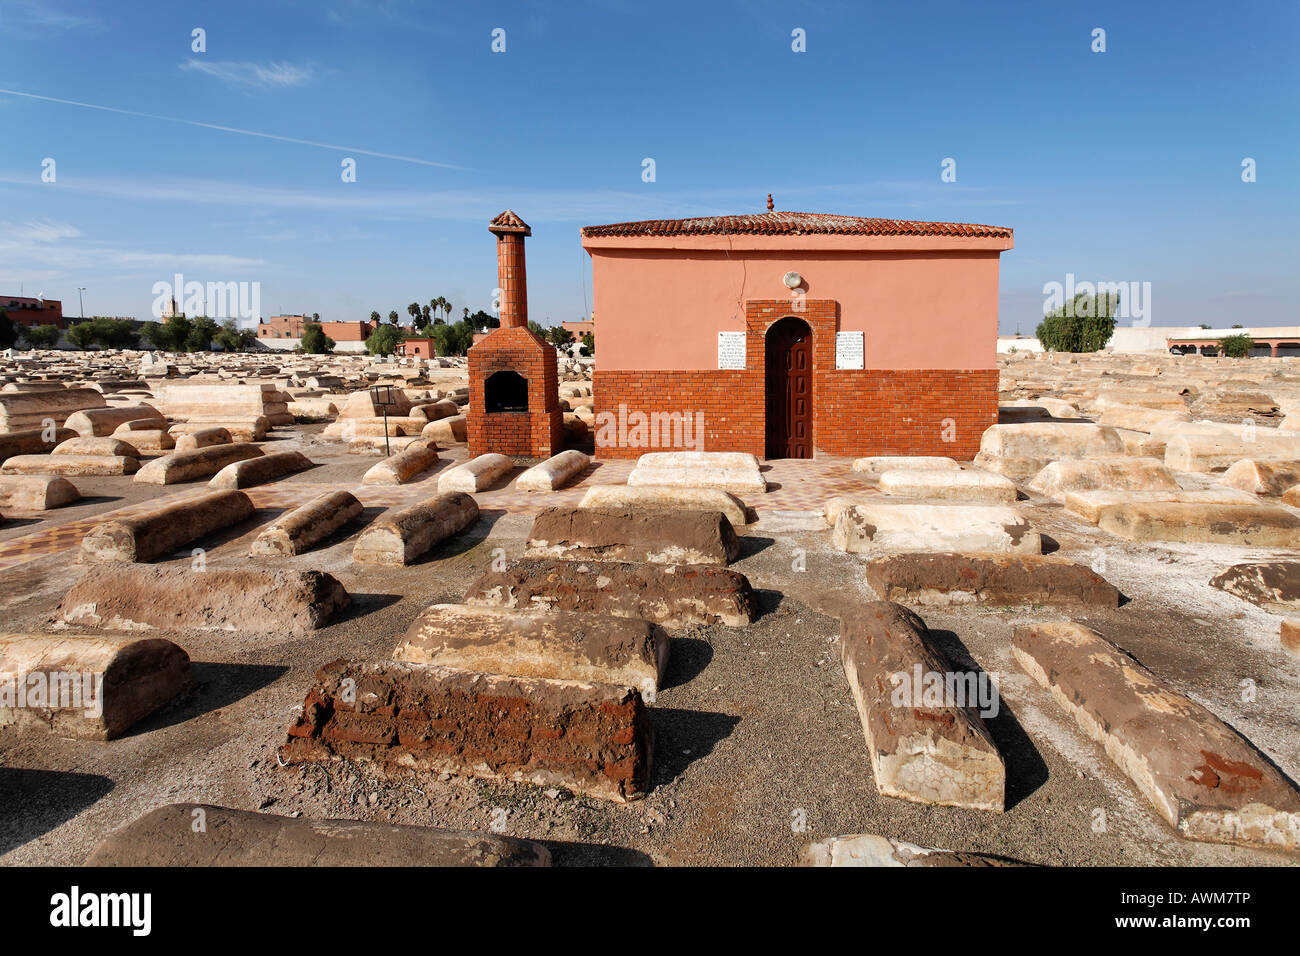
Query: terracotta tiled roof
x: 509, y: 222
x: 795, y: 224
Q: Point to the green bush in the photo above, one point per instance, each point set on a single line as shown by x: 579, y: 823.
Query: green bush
x: 109, y: 333
x: 1084, y: 325
x: 170, y: 335
x: 314, y: 339
x: 1236, y: 346
x: 116, y: 333
x: 82, y: 335
x: 155, y: 334
x: 202, y: 331
x: 41, y: 336
x: 234, y: 339
x: 180, y: 334
x: 454, y: 339
x: 8, y: 331
x: 559, y: 336
x: 383, y: 340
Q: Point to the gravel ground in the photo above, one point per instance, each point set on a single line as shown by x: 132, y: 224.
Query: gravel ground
x: 758, y: 745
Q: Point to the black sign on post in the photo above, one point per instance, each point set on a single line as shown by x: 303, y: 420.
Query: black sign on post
x: 382, y: 397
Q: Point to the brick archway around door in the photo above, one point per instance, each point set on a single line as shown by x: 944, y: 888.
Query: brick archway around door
x: 822, y: 316
x: 856, y: 412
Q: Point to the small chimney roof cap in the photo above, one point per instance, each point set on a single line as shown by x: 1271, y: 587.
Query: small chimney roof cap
x: 509, y: 222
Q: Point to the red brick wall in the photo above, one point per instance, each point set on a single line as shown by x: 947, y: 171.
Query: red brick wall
x: 291, y: 327
x: 855, y: 412
x: 538, y: 432
x: 348, y: 331
x: 31, y: 313
x: 731, y: 403
x: 904, y: 412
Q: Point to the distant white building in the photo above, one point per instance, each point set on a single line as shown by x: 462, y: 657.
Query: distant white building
x: 1018, y: 343
x: 1279, y: 340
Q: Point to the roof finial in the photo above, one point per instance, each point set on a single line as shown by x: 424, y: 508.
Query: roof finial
x: 769, y: 202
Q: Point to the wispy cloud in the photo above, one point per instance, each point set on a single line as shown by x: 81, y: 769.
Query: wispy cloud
x: 47, y: 249
x: 231, y: 129
x: 581, y: 206
x: 29, y: 18
x: 314, y: 234
x: 250, y: 77
x: 42, y: 230
x: 407, y: 14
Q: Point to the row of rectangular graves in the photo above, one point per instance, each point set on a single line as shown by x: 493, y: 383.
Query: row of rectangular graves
x: 1219, y: 488
x: 98, y: 439
x: 217, y: 440
x: 1088, y: 468
x: 246, y: 410
x: 542, y: 676
x: 937, y: 533
x: 544, y: 673
x: 145, y: 440
x: 37, y: 465
x: 387, y: 419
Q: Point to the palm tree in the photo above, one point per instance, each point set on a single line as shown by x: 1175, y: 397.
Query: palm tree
x: 413, y: 310
x: 393, y: 317
x: 374, y: 316
x: 446, y: 308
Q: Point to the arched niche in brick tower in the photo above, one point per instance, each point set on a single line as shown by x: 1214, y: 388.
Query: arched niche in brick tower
x: 505, y: 391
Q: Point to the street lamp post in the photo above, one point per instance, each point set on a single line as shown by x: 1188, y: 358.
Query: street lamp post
x: 81, y: 289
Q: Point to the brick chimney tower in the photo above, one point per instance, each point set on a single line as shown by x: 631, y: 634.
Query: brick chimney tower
x: 514, y: 398
x: 512, y: 276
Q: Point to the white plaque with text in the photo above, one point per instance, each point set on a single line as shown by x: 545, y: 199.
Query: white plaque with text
x: 848, y: 350
x: 731, y: 350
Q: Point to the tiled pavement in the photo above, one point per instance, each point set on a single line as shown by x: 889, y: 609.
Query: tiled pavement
x: 792, y: 486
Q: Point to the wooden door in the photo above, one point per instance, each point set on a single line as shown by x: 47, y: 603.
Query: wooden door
x: 789, y: 389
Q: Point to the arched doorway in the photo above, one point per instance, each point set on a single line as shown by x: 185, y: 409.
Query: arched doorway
x: 788, y: 387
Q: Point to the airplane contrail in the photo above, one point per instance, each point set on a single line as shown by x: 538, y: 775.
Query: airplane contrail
x: 233, y: 129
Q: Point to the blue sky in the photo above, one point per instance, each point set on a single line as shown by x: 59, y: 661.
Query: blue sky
x: 1115, y: 166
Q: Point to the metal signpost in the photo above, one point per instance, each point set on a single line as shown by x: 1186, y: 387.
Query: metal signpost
x: 382, y: 396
